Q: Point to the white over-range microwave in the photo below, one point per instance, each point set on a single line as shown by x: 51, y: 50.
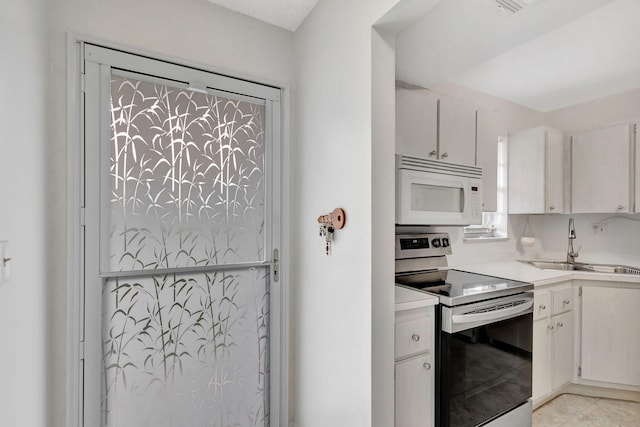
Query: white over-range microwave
x: 430, y: 192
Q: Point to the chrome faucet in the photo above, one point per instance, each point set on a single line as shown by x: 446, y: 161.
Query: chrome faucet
x: 571, y: 254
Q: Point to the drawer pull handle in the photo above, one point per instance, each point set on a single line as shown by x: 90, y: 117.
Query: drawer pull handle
x: 560, y: 325
x: 426, y: 366
x: 543, y: 307
x: 566, y: 301
x: 415, y: 337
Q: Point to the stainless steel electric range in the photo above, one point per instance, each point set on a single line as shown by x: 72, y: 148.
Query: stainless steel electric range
x: 484, y: 336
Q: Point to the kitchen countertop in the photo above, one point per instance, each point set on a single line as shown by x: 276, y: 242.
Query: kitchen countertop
x: 516, y: 270
x: 407, y: 299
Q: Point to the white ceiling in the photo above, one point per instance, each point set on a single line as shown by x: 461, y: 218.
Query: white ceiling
x: 287, y: 14
x: 552, y: 54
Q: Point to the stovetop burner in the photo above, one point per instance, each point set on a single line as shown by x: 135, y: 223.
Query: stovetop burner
x: 460, y: 287
x: 421, y: 263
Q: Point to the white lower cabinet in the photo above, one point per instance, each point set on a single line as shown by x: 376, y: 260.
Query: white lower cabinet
x: 610, y: 336
x: 553, y: 339
x: 414, y: 368
x: 414, y: 387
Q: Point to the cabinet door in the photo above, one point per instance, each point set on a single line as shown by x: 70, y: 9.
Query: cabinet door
x: 541, y: 359
x: 416, y: 122
x: 527, y: 171
x: 563, y: 339
x: 610, y: 337
x: 601, y: 170
x: 414, y: 402
x: 457, y: 136
x: 554, y: 171
x: 487, y: 152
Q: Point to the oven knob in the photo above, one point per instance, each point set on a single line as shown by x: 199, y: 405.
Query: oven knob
x: 436, y: 243
x: 445, y: 242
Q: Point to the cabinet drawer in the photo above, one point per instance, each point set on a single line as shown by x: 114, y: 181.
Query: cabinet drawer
x: 413, y: 335
x: 541, y: 304
x: 563, y: 300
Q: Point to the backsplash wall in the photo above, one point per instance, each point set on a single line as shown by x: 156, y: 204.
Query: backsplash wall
x: 472, y: 252
x: 620, y: 243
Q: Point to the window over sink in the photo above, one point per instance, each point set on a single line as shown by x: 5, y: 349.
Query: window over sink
x: 494, y: 224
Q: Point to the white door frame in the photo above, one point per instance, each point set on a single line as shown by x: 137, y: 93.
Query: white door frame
x: 280, y: 310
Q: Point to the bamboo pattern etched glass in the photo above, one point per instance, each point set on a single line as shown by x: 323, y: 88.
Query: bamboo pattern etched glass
x: 187, y: 189
x: 187, y: 177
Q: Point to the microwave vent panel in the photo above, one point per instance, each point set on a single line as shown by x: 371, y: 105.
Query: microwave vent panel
x: 434, y: 166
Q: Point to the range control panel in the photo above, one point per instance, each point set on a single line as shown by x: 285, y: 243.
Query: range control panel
x: 422, y: 245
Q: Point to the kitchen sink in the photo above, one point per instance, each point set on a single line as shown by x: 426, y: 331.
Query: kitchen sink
x: 554, y: 265
x: 618, y: 269
x: 579, y: 266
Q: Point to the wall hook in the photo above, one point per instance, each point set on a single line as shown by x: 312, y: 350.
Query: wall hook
x: 329, y: 223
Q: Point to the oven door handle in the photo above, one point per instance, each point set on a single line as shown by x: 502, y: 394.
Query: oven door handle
x: 492, y: 315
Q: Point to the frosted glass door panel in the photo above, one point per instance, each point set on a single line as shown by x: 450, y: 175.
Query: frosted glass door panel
x: 186, y: 350
x: 180, y: 233
x: 186, y: 177
x: 433, y: 198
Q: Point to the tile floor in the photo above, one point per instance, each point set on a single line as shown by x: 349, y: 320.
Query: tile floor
x: 570, y: 410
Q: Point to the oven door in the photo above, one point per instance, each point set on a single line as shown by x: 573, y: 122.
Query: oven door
x: 485, y: 370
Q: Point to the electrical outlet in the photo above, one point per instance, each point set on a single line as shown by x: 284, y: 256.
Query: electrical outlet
x: 598, y: 229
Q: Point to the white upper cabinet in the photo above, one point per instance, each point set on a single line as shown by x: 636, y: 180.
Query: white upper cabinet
x: 457, y: 135
x: 416, y: 123
x: 487, y: 157
x: 536, y: 171
x: 434, y: 126
x: 602, y: 167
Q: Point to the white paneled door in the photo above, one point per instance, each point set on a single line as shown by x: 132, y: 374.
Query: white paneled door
x: 180, y: 245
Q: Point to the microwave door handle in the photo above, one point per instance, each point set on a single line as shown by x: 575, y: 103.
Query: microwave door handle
x: 492, y: 315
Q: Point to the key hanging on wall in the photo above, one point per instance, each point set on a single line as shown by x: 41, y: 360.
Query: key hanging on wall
x: 329, y: 224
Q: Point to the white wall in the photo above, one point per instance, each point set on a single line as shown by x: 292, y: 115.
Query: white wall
x: 620, y: 244
x: 23, y: 208
x: 382, y: 230
x: 334, y: 300
x: 597, y: 113
x: 190, y: 31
